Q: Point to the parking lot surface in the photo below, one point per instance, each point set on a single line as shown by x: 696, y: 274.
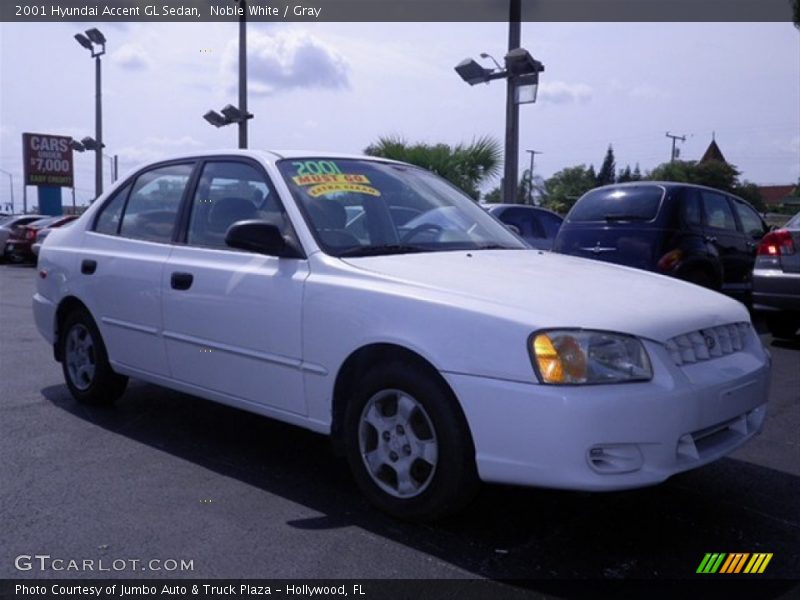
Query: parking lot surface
x: 164, y: 475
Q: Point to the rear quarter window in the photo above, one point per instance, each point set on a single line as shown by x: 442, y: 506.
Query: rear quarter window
x: 634, y: 203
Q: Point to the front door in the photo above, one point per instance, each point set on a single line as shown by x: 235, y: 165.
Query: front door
x: 232, y: 318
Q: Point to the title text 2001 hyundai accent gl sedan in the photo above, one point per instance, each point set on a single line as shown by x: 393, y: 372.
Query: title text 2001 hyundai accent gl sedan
x: 372, y: 301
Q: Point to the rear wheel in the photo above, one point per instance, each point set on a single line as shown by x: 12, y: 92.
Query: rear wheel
x: 408, y: 444
x: 783, y: 325
x: 85, y: 362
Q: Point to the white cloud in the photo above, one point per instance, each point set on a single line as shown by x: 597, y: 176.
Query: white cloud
x: 286, y: 60
x: 560, y: 92
x: 131, y: 57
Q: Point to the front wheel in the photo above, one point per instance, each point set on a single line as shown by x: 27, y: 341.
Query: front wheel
x: 408, y: 444
x: 87, y: 371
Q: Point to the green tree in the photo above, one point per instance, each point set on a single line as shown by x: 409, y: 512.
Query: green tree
x: 565, y: 187
x: 608, y: 170
x: 625, y: 175
x: 464, y: 165
x: 715, y: 174
x: 637, y: 174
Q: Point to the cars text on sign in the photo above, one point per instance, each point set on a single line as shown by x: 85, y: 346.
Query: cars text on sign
x: 47, y: 159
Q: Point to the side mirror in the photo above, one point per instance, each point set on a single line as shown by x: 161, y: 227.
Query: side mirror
x: 262, y: 237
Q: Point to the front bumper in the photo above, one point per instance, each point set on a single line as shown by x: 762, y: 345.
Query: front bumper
x: 610, y: 437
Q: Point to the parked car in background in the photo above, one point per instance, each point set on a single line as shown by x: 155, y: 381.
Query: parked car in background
x: 691, y: 232
x: 18, y: 245
x: 436, y: 351
x: 537, y: 226
x: 776, y: 279
x: 45, y: 231
x: 10, y: 224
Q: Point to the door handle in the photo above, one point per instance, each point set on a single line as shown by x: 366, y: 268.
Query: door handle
x: 751, y: 244
x: 710, y: 239
x: 88, y: 266
x: 181, y: 281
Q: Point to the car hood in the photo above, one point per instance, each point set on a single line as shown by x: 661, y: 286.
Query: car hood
x: 552, y: 290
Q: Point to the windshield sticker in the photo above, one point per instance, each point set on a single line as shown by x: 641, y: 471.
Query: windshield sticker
x: 317, y: 167
x: 337, y: 178
x: 329, y: 188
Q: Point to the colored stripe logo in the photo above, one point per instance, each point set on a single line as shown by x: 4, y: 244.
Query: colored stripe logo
x: 735, y: 562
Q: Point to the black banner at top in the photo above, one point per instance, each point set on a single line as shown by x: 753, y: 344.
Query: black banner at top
x: 396, y: 10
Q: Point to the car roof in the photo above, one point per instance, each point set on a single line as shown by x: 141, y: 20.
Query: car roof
x: 272, y: 156
x: 488, y: 205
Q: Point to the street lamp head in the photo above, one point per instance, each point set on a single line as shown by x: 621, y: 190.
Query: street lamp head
x: 77, y: 146
x: 83, y: 41
x: 472, y: 72
x: 232, y: 113
x: 90, y: 143
x: 216, y: 119
x: 95, y: 35
x: 520, y: 62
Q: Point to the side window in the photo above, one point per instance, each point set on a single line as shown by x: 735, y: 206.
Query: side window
x: 718, y: 211
x: 153, y: 203
x: 524, y: 221
x: 229, y: 192
x: 690, y: 208
x: 751, y: 222
x: 551, y: 224
x: 109, y: 217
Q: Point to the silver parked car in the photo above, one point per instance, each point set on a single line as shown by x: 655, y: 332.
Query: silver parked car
x: 776, y: 279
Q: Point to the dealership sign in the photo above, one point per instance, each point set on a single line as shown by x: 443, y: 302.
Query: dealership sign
x: 47, y: 159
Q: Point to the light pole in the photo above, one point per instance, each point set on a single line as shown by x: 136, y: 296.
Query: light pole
x: 533, y: 153
x: 233, y: 114
x: 92, y: 39
x: 10, y: 187
x: 522, y: 81
x: 511, y: 162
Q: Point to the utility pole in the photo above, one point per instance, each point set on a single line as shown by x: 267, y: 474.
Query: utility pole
x: 682, y: 138
x: 510, y: 168
x: 533, y: 154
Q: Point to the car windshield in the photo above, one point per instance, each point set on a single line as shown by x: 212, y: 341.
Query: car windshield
x: 794, y: 222
x: 628, y: 203
x: 365, y: 208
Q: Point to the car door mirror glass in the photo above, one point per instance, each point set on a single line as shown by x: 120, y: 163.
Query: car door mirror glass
x: 260, y: 236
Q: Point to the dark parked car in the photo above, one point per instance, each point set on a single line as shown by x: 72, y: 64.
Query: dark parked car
x: 18, y: 245
x: 536, y: 226
x: 691, y: 232
x: 776, y: 279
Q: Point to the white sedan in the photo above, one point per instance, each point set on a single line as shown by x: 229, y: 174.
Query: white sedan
x: 429, y: 342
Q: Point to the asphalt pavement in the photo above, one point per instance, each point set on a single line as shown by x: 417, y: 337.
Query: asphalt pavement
x: 168, y: 476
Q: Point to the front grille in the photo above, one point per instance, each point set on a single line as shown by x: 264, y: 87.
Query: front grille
x: 706, y: 344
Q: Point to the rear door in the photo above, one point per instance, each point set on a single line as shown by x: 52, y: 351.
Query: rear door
x: 232, y: 318
x: 753, y: 228
x: 121, y: 265
x: 722, y: 232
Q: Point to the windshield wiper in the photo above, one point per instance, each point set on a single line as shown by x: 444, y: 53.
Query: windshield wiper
x: 382, y: 249
x: 494, y: 246
x: 625, y: 218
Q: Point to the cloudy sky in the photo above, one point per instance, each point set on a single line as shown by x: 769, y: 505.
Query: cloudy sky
x: 338, y: 86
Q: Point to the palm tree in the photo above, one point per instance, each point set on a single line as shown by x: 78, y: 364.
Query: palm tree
x: 464, y: 165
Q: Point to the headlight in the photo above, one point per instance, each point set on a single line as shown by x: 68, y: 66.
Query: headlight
x: 568, y: 356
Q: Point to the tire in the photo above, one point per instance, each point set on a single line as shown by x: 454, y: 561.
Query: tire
x: 87, y: 372
x: 408, y: 444
x: 783, y: 325
x: 700, y: 277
